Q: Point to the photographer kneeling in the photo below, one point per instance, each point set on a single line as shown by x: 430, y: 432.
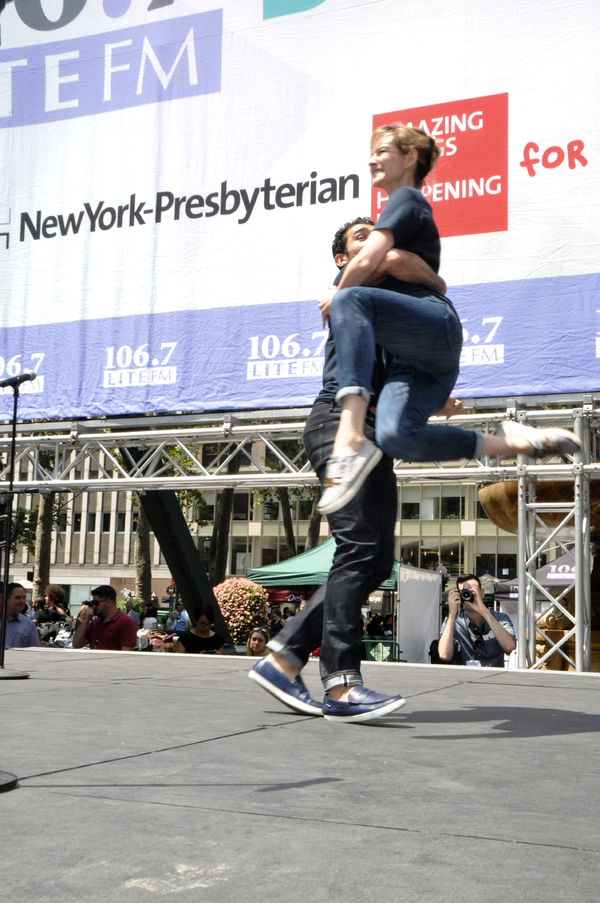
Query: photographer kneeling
x: 480, y: 636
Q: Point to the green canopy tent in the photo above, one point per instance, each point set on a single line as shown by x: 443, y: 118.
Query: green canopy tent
x: 308, y: 569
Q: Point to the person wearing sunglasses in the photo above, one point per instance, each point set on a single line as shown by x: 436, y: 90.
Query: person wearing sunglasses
x: 256, y: 644
x: 103, y: 626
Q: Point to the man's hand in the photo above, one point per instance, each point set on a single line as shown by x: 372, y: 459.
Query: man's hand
x: 476, y: 604
x: 86, y: 613
x: 453, y: 602
x: 452, y: 407
x: 85, y: 616
x: 325, y: 301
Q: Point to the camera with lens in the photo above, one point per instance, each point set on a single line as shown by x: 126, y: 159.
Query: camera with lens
x: 466, y: 595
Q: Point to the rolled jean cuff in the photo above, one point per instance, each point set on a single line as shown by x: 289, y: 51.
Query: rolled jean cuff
x: 280, y: 649
x: 353, y: 390
x: 478, y: 453
x: 348, y: 679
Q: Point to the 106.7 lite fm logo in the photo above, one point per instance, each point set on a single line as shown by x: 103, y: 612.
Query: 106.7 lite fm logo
x: 96, y: 73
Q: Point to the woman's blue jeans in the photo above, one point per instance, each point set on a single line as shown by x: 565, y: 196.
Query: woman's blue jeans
x: 425, y: 336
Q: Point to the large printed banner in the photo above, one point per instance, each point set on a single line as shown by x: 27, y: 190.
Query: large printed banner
x: 173, y: 172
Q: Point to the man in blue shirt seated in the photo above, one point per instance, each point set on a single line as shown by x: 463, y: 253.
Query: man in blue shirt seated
x: 20, y: 631
x: 480, y: 636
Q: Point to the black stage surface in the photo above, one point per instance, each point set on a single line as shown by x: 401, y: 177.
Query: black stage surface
x: 149, y: 777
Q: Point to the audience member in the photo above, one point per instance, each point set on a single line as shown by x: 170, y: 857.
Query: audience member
x: 149, y: 611
x: 201, y: 638
x: 20, y: 631
x: 257, y: 642
x: 180, y: 617
x: 111, y: 629
x: 276, y: 622
x: 54, y: 609
x: 132, y: 613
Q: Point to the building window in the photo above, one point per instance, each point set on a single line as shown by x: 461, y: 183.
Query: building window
x: 271, y: 511
x: 481, y: 515
x: 241, y: 502
x: 409, y: 552
x: 91, y: 522
x: 410, y: 508
x: 430, y: 503
x: 305, y: 507
x: 77, y: 522
x: 120, y: 521
x: 430, y: 557
x: 453, y: 504
x: 106, y: 522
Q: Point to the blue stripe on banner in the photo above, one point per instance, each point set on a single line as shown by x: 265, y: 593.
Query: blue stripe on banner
x: 526, y: 337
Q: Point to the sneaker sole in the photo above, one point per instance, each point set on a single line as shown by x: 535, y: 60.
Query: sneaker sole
x: 530, y: 433
x: 356, y: 486
x: 290, y: 702
x: 369, y: 716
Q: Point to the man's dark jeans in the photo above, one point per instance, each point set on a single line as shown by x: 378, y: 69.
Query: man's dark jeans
x: 364, y: 557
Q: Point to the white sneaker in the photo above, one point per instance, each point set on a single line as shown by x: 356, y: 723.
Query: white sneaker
x: 544, y: 442
x: 346, y: 474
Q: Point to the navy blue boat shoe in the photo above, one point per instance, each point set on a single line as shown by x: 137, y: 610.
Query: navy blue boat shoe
x: 292, y: 693
x: 363, y: 705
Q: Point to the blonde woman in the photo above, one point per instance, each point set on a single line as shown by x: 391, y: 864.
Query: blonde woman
x: 419, y: 327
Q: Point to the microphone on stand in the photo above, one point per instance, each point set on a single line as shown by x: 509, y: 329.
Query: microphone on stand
x: 17, y: 380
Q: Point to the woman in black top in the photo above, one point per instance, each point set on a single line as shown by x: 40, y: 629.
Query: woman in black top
x: 201, y: 638
x: 419, y: 327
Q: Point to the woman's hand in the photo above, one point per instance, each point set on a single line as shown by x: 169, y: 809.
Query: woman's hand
x: 452, y: 408
x: 325, y: 301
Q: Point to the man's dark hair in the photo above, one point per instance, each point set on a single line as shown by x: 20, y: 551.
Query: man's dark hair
x: 465, y: 577
x: 11, y: 587
x: 105, y: 592
x: 339, y: 239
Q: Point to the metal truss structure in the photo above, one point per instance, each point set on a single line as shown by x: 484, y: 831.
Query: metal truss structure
x: 197, y: 451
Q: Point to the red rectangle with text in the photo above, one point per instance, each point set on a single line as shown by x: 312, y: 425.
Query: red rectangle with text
x: 468, y: 189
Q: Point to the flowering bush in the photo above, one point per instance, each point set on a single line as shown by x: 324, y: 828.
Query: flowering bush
x: 129, y: 594
x: 244, y: 606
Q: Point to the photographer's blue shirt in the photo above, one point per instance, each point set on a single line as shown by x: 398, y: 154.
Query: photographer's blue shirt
x: 478, y: 643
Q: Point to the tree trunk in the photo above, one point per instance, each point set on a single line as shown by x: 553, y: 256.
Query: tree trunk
x: 288, y: 526
x: 143, y: 561
x: 219, y: 541
x: 314, y: 525
x: 43, y: 543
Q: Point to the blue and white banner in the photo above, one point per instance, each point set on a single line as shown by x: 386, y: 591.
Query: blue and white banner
x: 173, y: 172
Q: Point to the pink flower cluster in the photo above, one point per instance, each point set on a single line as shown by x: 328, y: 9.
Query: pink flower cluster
x: 244, y: 606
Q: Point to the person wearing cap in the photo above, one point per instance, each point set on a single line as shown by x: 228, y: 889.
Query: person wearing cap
x: 103, y: 626
x: 20, y: 631
x: 181, y: 618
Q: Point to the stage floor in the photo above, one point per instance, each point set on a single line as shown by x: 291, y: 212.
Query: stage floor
x: 147, y: 777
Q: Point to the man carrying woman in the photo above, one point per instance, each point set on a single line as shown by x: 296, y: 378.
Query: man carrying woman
x: 364, y: 534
